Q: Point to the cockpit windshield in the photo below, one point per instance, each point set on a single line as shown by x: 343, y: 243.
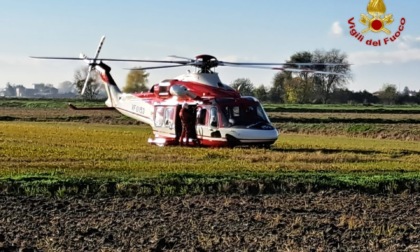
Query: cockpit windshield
x: 242, y: 115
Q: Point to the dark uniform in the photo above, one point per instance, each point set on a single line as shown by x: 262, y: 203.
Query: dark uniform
x: 187, y: 120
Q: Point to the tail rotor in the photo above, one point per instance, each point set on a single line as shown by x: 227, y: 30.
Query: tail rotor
x: 92, y: 63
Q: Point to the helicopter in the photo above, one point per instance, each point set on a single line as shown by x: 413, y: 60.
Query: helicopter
x: 223, y: 118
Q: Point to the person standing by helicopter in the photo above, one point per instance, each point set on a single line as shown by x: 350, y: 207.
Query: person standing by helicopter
x: 187, y: 120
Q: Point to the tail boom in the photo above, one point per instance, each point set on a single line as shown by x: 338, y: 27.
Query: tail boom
x: 111, y: 87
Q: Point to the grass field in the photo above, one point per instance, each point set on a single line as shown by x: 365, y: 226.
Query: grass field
x: 73, y: 158
x: 46, y: 148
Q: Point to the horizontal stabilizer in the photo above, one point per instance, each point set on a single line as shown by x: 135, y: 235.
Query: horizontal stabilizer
x: 91, y: 108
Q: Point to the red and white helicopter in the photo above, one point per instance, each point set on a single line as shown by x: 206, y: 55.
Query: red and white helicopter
x: 224, y: 118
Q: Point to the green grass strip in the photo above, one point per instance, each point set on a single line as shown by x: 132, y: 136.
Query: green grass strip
x: 192, y: 184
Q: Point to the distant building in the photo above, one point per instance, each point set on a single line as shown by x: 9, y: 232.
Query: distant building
x: 40, y: 90
x: 20, y: 91
x: 39, y: 86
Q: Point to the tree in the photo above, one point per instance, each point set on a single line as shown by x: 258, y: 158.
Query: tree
x: 136, y: 81
x: 244, y: 86
x: 302, y: 81
x: 325, y: 84
x: 340, y: 96
x: 406, y: 96
x: 261, y: 93
x: 388, y: 94
x: 276, y: 92
x: 298, y: 90
x: 317, y: 87
x: 92, y: 87
x: 406, y: 91
x: 275, y: 95
x: 363, y: 97
x: 417, y: 97
x: 66, y: 87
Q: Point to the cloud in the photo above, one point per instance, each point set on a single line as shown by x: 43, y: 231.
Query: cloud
x: 392, y: 57
x: 407, y: 50
x: 336, y: 29
x: 407, y: 42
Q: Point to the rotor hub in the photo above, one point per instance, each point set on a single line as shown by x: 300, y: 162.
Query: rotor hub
x: 206, y: 62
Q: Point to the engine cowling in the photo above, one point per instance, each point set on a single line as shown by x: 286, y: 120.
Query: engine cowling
x: 182, y: 91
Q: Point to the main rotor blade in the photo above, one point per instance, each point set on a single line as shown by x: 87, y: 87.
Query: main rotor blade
x: 56, y: 58
x: 310, y: 71
x: 180, y: 57
x: 155, y: 67
x: 286, y: 69
x: 279, y: 64
x: 182, y: 63
x: 110, y: 59
x: 147, y: 61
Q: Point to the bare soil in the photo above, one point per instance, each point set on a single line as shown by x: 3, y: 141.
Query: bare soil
x: 323, y: 221
x: 63, y: 115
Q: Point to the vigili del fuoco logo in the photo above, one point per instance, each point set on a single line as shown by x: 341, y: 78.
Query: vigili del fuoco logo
x: 378, y: 21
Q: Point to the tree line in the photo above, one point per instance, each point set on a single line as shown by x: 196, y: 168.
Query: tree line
x: 388, y: 94
x: 317, y: 88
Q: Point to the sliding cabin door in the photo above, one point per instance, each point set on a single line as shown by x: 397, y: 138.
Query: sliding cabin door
x: 165, y: 121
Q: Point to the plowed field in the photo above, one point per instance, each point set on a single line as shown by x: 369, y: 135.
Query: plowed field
x: 324, y: 221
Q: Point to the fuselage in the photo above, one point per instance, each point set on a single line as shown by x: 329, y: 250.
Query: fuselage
x: 222, y: 116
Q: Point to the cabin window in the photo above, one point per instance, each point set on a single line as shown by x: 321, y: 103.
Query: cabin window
x: 169, y: 115
x: 163, y: 90
x: 236, y: 112
x: 213, y: 117
x: 201, y: 116
x: 159, y: 116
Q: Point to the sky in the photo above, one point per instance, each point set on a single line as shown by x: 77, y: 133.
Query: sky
x: 231, y: 30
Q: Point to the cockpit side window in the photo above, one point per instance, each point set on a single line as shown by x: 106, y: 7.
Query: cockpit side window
x: 261, y: 114
x: 242, y: 115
